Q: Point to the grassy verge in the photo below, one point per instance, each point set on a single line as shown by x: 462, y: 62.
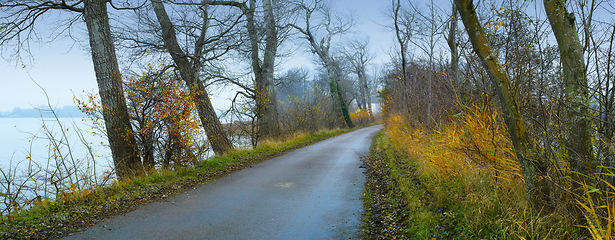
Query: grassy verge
x: 431, y: 186
x: 384, y: 216
x: 397, y: 203
x: 75, y: 210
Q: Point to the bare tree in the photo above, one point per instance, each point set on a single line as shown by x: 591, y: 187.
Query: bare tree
x: 358, y: 56
x: 266, y: 102
x: 321, y: 45
x: 427, y: 41
x: 189, y: 67
x: 304, y: 104
x: 19, y: 19
x: 403, y: 23
x: 264, y: 93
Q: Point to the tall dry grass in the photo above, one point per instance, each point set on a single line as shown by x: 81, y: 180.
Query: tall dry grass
x: 469, y: 167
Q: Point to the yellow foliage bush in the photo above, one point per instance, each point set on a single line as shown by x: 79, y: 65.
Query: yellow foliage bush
x: 360, y: 117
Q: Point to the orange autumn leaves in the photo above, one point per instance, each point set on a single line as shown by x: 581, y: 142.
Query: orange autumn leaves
x: 162, y: 117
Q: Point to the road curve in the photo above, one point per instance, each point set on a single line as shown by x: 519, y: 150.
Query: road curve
x: 310, y: 193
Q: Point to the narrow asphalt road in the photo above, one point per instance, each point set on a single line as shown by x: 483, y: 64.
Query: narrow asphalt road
x: 310, y: 193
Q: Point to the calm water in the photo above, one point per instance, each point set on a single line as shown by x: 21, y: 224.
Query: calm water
x: 19, y: 136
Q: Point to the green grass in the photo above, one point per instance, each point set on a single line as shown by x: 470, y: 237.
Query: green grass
x: 71, y: 211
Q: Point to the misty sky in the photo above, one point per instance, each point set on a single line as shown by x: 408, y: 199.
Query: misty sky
x: 64, y: 69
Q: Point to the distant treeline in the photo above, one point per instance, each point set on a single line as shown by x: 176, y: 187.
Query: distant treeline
x: 43, y: 111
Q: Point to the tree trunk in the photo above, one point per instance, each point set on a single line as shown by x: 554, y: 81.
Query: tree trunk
x: 368, y: 96
x: 527, y: 151
x: 362, y: 87
x: 430, y: 80
x: 147, y: 142
x: 266, y: 102
x: 452, y: 45
x: 403, y: 51
x: 336, y: 91
x: 581, y: 159
x: 189, y: 71
x: 575, y: 88
x: 117, y: 122
x: 271, y: 47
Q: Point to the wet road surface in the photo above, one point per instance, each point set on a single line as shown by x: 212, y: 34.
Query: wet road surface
x: 310, y: 193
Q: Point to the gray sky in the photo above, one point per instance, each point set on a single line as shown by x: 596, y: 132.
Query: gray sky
x: 63, y: 68
x: 56, y: 67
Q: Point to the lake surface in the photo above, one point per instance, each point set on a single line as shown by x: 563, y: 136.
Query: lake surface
x: 20, y: 137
